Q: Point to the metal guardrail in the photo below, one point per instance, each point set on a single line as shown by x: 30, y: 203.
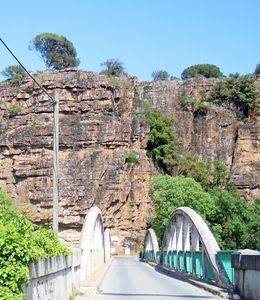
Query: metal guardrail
x: 183, y: 261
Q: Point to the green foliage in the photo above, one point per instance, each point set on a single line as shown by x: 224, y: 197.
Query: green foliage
x: 257, y: 69
x: 14, y: 73
x: 160, y: 75
x: 202, y: 107
x: 237, y: 90
x: 184, y: 99
x: 7, y: 206
x: 55, y: 51
x: 231, y: 223
x: 161, y: 141
x: 144, y: 110
x: 14, y: 110
x: 131, y: 160
x: 208, y: 174
x: 168, y: 193
x: 202, y: 70
x: 34, y: 123
x: 114, y: 67
x: 21, y: 243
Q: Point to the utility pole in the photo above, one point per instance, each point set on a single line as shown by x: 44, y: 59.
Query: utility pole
x: 55, y: 162
x: 55, y: 103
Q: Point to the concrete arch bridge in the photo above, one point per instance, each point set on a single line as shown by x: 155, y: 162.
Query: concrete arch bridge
x: 189, y: 246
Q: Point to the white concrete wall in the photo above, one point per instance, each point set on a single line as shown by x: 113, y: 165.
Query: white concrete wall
x: 54, y: 278
x: 247, y: 273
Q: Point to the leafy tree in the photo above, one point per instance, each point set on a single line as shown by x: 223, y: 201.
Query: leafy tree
x: 55, y: 51
x: 237, y: 90
x: 257, y: 69
x: 231, y: 219
x: 162, y: 144
x: 168, y: 193
x: 14, y: 73
x: 160, y: 75
x: 114, y: 67
x: 202, y: 70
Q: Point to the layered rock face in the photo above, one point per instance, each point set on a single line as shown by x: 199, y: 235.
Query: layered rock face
x: 98, y: 128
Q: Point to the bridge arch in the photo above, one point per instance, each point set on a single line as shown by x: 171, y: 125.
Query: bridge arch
x: 94, y: 242
x: 151, y: 247
x: 187, y: 231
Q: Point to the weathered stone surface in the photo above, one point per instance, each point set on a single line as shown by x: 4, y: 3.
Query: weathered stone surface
x: 99, y: 127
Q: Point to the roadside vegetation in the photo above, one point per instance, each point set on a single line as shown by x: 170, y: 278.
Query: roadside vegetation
x: 21, y: 242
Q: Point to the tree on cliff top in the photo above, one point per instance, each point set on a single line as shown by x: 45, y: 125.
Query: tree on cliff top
x: 202, y: 70
x: 114, y: 67
x: 55, y: 51
x: 14, y: 73
x: 160, y: 75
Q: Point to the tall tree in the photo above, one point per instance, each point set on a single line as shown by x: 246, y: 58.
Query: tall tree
x: 55, y: 51
x: 202, y: 70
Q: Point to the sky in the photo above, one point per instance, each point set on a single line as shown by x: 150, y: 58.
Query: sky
x: 145, y: 35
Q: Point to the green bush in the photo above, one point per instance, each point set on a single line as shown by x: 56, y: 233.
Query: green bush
x: 14, y: 73
x: 14, y: 110
x: 237, y: 90
x: 202, y: 107
x: 160, y: 75
x: 184, y: 99
x: 162, y: 144
x: 131, y: 160
x: 7, y: 206
x: 21, y: 243
x: 114, y: 67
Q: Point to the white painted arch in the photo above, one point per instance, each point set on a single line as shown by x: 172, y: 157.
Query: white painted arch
x: 94, y: 242
x: 150, y: 243
x: 185, y: 231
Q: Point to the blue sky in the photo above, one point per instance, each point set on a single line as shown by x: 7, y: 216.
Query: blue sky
x: 146, y: 35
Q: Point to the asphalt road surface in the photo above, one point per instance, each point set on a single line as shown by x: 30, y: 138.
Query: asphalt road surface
x: 130, y: 279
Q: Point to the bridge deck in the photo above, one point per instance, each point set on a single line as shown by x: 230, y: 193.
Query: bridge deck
x: 128, y: 278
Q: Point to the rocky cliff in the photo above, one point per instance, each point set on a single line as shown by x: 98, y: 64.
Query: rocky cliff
x: 98, y: 129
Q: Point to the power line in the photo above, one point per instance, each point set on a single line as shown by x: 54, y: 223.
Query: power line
x: 52, y: 99
x: 55, y: 103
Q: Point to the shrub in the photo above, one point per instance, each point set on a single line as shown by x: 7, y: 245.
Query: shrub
x: 131, y: 160
x: 14, y: 73
x: 237, y: 90
x: 160, y: 75
x: 202, y: 107
x: 161, y: 140
x: 14, y: 110
x: 184, y: 99
x: 114, y: 67
x: 22, y: 243
x: 7, y: 206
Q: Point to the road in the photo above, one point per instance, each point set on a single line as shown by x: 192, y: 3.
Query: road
x: 130, y: 279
